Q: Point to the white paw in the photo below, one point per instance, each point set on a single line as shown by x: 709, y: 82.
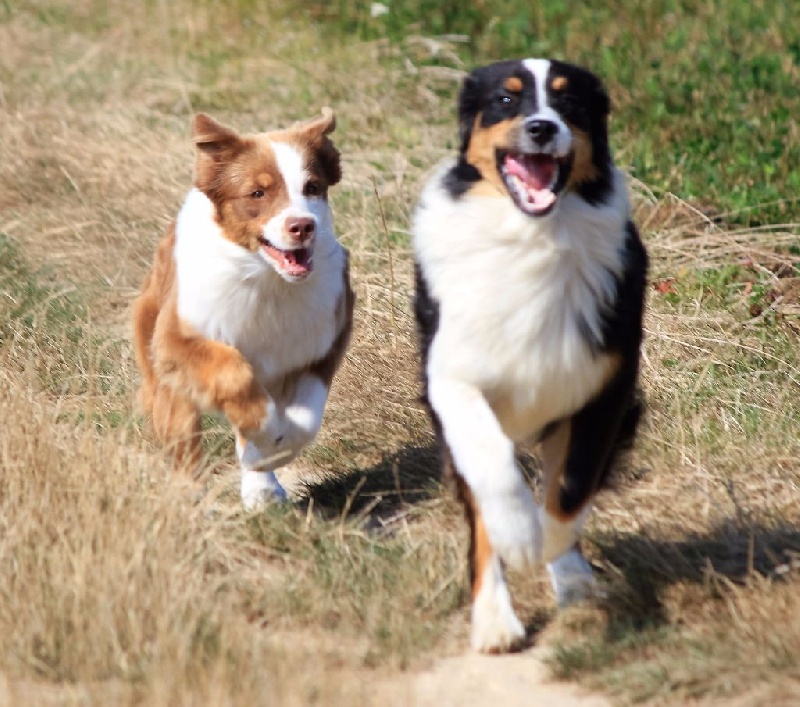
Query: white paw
x: 273, y: 429
x: 267, y: 447
x: 260, y: 488
x: 495, y: 626
x: 572, y: 579
x: 512, y: 522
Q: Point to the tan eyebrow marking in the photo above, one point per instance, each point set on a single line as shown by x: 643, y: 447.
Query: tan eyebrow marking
x: 265, y: 179
x: 513, y: 84
x: 559, y: 83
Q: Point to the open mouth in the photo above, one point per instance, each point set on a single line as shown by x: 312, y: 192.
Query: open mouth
x: 296, y: 262
x: 532, y: 179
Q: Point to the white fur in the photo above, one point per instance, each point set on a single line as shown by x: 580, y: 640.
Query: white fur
x: 285, y: 432
x: 232, y: 295
x: 512, y: 290
x: 235, y: 296
x: 259, y: 483
x: 304, y: 413
x: 259, y: 488
x: 484, y: 456
x: 562, y: 142
x: 572, y: 578
x: 495, y: 626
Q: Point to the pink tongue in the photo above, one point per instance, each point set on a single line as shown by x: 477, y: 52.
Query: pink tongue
x: 296, y: 260
x: 536, y: 171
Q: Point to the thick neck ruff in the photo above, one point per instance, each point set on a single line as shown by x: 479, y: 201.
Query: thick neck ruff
x: 232, y: 295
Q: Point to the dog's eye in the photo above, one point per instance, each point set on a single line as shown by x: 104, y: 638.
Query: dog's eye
x: 257, y: 194
x: 312, y: 188
x: 504, y: 99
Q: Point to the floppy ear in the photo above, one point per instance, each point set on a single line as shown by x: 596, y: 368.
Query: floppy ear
x: 212, y: 138
x: 468, y: 107
x: 216, y: 146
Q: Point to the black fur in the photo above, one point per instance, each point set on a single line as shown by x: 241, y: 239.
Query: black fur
x: 584, y: 104
x: 426, y: 311
x: 608, y: 422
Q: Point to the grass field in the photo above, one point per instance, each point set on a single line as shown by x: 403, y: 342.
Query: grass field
x: 118, y: 588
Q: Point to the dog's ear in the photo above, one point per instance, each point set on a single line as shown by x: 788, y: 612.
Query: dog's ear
x: 315, y: 132
x: 320, y: 126
x: 468, y: 107
x: 213, y: 139
x: 602, y: 103
x: 217, y: 145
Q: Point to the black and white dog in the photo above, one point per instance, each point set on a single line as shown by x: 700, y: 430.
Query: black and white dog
x: 530, y: 288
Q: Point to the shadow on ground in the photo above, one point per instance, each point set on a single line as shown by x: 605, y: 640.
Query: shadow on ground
x: 409, y: 476
x: 640, y: 569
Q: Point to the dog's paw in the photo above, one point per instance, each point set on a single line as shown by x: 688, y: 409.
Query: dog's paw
x: 572, y: 579
x: 512, y: 523
x: 260, y: 488
x: 495, y: 626
x: 268, y: 446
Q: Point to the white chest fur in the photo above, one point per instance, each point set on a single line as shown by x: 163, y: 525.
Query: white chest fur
x: 516, y: 296
x: 231, y: 295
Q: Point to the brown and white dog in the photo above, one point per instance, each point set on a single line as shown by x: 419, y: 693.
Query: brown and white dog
x: 530, y: 289
x: 248, y: 309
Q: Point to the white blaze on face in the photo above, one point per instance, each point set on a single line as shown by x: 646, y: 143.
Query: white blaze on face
x: 294, y: 175
x: 292, y: 256
x: 562, y: 142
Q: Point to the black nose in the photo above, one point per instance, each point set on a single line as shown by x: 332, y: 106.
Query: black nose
x: 542, y: 131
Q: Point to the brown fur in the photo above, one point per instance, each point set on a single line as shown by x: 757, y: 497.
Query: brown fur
x: 583, y: 169
x: 482, y: 154
x: 184, y: 373
x: 553, y: 453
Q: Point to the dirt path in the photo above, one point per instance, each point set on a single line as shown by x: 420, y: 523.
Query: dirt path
x: 473, y: 680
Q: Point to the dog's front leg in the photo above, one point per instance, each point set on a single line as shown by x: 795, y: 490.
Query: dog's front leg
x: 286, y: 434
x: 305, y: 410
x: 484, y: 457
x: 498, y: 502
x: 259, y: 455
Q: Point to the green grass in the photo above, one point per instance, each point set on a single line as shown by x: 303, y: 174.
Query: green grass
x: 705, y: 90
x: 71, y: 357
x: 697, y: 538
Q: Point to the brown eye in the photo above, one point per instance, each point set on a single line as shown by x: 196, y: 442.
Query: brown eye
x: 312, y: 188
x: 257, y: 194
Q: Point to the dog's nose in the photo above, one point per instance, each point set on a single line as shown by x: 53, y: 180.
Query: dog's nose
x: 299, y: 228
x: 542, y: 131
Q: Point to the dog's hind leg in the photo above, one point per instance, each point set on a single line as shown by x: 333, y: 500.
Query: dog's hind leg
x: 145, y: 314
x: 176, y: 421
x: 577, y: 454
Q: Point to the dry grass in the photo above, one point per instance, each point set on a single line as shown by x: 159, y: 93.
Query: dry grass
x: 121, y: 589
